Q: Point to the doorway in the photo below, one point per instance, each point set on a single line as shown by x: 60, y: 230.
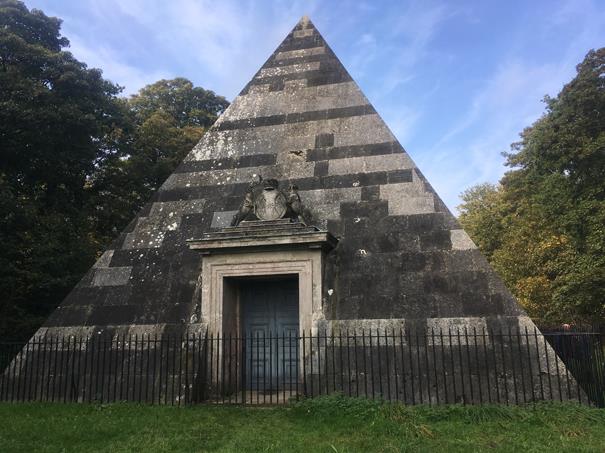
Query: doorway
x: 270, y: 323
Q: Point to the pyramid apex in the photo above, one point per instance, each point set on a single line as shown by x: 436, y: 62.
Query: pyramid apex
x: 304, y: 21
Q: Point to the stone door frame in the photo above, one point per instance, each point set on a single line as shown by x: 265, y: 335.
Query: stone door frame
x: 306, y: 264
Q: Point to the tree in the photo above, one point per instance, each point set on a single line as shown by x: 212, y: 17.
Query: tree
x: 168, y: 119
x: 543, y: 228
x: 76, y: 160
x: 187, y: 105
x: 482, y: 215
x: 56, y: 120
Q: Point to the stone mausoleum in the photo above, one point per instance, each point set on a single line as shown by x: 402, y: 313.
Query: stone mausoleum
x: 379, y: 247
x: 298, y: 211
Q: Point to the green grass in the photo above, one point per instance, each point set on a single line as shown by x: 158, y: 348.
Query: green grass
x: 331, y: 424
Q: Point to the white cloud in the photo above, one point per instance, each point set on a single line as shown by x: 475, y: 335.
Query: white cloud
x: 411, y: 30
x: 226, y: 41
x: 217, y: 44
x: 507, y: 102
x: 500, y: 110
x: 126, y: 75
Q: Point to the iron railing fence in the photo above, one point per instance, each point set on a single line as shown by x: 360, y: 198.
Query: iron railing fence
x: 466, y: 366
x: 8, y: 351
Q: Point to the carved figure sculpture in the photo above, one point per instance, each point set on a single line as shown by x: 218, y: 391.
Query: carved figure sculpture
x: 296, y: 209
x: 265, y: 201
x: 247, y: 206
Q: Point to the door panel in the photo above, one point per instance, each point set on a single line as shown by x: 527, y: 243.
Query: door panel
x: 270, y: 321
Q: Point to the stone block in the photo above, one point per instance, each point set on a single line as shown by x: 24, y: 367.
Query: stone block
x: 222, y: 219
x: 112, y: 276
x: 407, y: 198
x: 104, y: 260
x: 461, y: 240
x: 303, y: 33
x: 284, y: 70
x: 370, y: 193
x: 164, y: 217
x: 321, y: 168
x: 368, y: 164
x: 299, y: 53
x: 323, y: 140
x: 462, y: 330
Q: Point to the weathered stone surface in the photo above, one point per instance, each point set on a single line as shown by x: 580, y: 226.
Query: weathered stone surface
x: 283, y: 70
x: 285, y: 55
x: 407, y: 198
x: 369, y: 164
x: 299, y: 98
x: 111, y: 276
x: 105, y: 259
x: 461, y: 240
x: 222, y: 218
x: 150, y: 231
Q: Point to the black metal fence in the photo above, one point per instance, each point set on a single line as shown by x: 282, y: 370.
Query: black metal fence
x: 434, y: 367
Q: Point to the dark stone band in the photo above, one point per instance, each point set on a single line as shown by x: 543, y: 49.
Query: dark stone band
x: 292, y: 43
x: 310, y: 183
x: 344, y: 152
x: 255, y: 160
x: 274, y: 63
x: 316, y: 115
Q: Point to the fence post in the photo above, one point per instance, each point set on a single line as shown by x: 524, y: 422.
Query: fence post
x: 486, y: 360
x: 477, y: 365
x: 468, y: 361
x: 356, y: 363
x: 402, y: 353
x: 435, y: 366
x: 461, y: 364
x: 325, y: 351
x: 428, y: 368
x: 395, y: 374
x: 412, y: 378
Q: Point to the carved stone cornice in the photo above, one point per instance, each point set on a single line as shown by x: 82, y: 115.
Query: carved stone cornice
x: 264, y: 235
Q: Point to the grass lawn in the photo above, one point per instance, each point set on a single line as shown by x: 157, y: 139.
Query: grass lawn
x: 331, y: 424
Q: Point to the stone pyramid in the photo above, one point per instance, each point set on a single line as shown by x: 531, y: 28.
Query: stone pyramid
x: 402, y: 258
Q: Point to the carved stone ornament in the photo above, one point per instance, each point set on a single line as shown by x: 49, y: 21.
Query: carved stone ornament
x: 270, y: 202
x: 264, y: 200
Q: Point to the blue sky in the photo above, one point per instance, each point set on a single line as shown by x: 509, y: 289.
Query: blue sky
x: 456, y: 81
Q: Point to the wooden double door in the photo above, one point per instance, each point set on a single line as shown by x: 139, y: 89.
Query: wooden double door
x: 270, y: 324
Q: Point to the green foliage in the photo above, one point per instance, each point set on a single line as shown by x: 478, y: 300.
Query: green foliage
x: 167, y: 119
x: 180, y: 100
x: 482, y: 214
x: 76, y: 161
x: 329, y: 424
x: 55, y: 119
x: 543, y: 227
